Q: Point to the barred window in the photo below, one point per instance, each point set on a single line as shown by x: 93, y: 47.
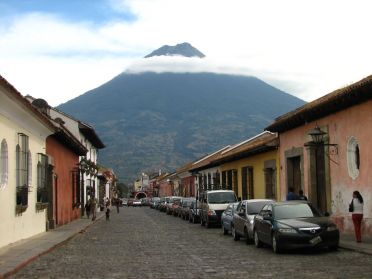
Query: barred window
x: 29, y: 169
x: 3, y: 163
x: 22, y: 169
x: 42, y: 167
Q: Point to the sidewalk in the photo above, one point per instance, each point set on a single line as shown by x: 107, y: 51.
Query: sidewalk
x: 16, y: 255
x: 347, y: 241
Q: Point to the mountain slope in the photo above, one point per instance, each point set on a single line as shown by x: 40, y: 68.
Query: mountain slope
x: 150, y: 121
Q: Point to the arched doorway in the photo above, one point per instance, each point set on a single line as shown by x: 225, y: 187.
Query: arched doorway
x: 140, y: 195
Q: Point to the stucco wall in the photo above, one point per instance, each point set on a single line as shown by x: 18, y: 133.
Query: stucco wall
x: 354, y: 121
x: 64, y: 163
x: 165, y: 189
x: 16, y: 227
x: 257, y: 162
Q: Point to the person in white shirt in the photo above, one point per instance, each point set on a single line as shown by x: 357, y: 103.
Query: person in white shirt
x: 357, y: 215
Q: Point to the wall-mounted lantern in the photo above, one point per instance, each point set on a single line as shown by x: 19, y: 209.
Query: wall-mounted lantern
x: 318, y: 139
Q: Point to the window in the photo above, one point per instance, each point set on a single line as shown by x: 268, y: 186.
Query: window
x: 242, y: 208
x: 353, y: 158
x: 3, y: 163
x: 42, y: 167
x: 22, y: 170
x: 29, y: 169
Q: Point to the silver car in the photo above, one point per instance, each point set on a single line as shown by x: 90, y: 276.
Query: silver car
x: 243, y: 219
x: 227, y: 217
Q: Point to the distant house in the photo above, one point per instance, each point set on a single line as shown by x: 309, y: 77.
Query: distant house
x: 208, y: 174
x: 325, y: 149
x: 107, y: 183
x: 166, y: 186
x: 187, y: 181
x: 64, y: 189
x: 250, y: 167
x: 88, y: 167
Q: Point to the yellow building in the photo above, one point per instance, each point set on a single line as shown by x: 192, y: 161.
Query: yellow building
x: 250, y: 168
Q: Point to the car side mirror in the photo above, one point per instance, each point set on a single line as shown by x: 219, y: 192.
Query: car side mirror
x: 241, y: 214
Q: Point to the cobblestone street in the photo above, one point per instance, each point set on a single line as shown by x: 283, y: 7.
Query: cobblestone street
x: 145, y: 243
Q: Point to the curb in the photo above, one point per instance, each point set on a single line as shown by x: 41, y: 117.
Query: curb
x: 358, y: 250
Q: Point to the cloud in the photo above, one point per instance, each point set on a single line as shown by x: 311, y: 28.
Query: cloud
x: 304, y: 48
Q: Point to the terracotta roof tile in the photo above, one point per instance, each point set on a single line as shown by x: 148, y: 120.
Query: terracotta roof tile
x: 335, y: 101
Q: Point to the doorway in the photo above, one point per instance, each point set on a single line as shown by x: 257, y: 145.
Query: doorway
x: 318, y: 177
x: 294, y: 173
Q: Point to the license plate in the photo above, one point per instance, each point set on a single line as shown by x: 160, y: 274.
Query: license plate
x: 316, y: 240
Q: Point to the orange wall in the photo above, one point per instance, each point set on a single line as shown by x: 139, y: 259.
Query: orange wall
x: 64, y: 162
x: 165, y: 189
x: 357, y: 122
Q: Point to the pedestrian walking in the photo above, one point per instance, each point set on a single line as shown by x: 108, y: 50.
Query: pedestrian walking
x: 301, y: 195
x: 93, y: 207
x: 356, y: 209
x: 87, y: 209
x: 117, y: 203
x: 107, y: 214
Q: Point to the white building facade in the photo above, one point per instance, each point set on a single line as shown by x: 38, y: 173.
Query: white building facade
x: 23, y: 133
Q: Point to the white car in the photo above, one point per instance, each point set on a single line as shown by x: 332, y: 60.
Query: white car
x: 137, y: 203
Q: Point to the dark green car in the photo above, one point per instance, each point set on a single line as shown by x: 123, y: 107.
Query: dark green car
x: 294, y: 224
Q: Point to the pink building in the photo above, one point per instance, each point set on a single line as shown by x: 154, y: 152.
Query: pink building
x: 340, y: 162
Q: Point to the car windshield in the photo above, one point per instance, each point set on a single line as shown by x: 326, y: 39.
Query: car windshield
x: 221, y: 197
x: 298, y: 210
x: 255, y: 207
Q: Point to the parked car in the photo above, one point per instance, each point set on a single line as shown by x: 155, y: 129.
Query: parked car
x: 185, y: 207
x: 163, y: 203
x: 227, y: 217
x: 154, y: 202
x: 145, y: 201
x: 169, y: 204
x: 243, y: 218
x: 176, y: 205
x: 130, y: 202
x: 294, y: 224
x: 124, y: 202
x: 137, y: 202
x: 213, y: 203
x: 194, y: 212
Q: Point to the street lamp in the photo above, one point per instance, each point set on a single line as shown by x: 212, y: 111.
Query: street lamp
x: 317, y: 135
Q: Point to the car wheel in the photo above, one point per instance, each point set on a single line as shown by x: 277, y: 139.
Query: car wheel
x: 275, y: 245
x: 225, y: 232
x: 246, y: 235
x: 235, y: 236
x: 333, y: 248
x: 257, y: 241
x: 207, y: 224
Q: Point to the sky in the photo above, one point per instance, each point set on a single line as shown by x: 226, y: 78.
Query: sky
x: 60, y: 49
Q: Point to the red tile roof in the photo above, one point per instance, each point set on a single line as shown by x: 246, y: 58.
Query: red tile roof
x: 335, y: 101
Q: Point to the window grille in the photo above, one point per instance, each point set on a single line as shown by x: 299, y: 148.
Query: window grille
x: 42, y: 168
x: 22, y: 169
x: 3, y: 163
